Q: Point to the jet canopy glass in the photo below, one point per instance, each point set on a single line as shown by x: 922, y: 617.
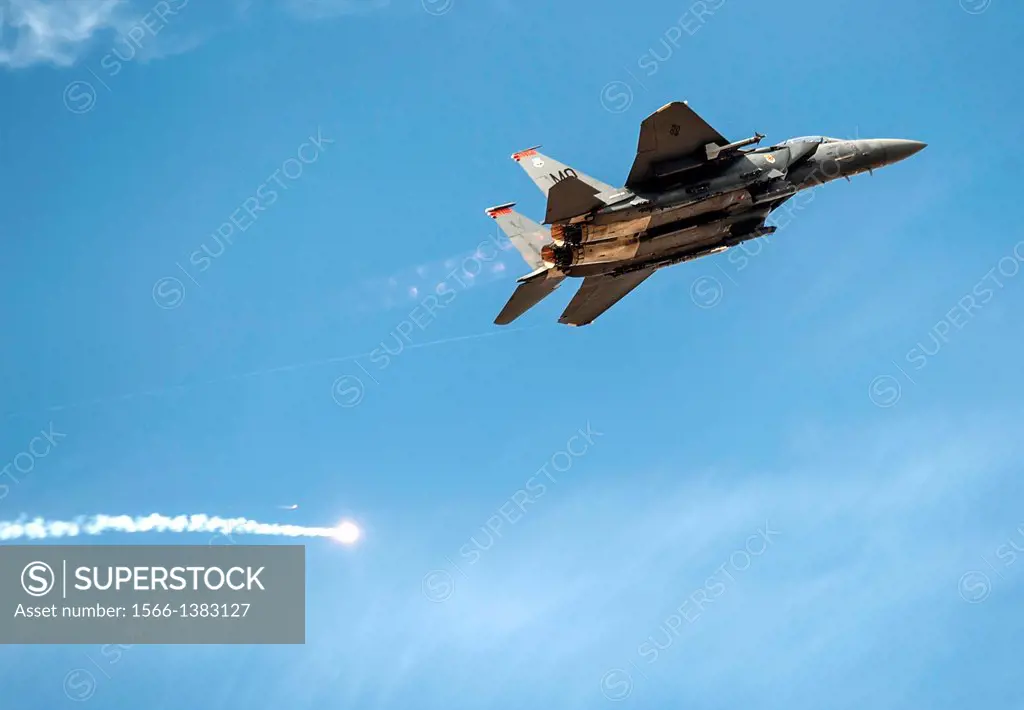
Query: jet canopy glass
x: 811, y: 139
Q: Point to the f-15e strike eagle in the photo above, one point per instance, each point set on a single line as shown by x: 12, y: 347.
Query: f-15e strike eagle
x: 690, y: 193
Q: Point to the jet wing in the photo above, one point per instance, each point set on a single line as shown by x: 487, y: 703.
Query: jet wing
x: 531, y: 291
x: 673, y: 133
x: 599, y: 293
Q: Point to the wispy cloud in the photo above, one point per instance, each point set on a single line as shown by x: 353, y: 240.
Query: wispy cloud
x: 867, y: 535
x: 62, y: 32
x: 52, y: 31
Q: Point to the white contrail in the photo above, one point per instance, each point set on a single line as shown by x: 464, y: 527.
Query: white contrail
x: 40, y: 529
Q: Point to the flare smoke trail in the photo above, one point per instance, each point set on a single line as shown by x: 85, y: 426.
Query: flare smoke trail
x: 40, y: 529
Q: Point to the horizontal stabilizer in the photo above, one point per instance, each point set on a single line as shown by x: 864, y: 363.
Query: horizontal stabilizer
x: 571, y: 198
x: 531, y: 291
x: 534, y: 274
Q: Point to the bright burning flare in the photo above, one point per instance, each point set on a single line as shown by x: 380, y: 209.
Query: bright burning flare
x: 347, y: 532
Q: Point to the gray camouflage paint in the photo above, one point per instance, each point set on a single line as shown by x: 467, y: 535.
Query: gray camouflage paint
x: 690, y: 193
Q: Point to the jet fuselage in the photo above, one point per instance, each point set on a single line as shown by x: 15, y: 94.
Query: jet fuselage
x: 721, y: 203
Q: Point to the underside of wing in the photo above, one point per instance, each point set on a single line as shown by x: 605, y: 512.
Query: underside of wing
x: 528, y: 294
x: 672, y: 133
x: 598, y: 294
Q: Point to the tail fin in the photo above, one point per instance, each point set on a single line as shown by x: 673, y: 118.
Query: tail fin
x: 529, y: 238
x: 526, y: 235
x: 546, y: 172
x: 570, y: 198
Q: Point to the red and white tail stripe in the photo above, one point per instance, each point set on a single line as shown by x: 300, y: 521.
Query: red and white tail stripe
x: 525, y: 153
x: 495, y: 212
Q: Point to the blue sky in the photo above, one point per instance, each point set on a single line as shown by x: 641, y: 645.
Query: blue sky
x: 811, y: 431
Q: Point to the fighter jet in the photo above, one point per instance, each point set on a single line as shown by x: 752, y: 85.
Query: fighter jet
x: 690, y: 193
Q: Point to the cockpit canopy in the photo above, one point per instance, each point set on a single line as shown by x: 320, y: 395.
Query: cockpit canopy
x: 811, y: 139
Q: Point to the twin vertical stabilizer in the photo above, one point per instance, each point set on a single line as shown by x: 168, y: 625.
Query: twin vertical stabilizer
x: 528, y: 238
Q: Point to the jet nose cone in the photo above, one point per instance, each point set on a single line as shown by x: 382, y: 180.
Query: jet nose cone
x: 897, y: 150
